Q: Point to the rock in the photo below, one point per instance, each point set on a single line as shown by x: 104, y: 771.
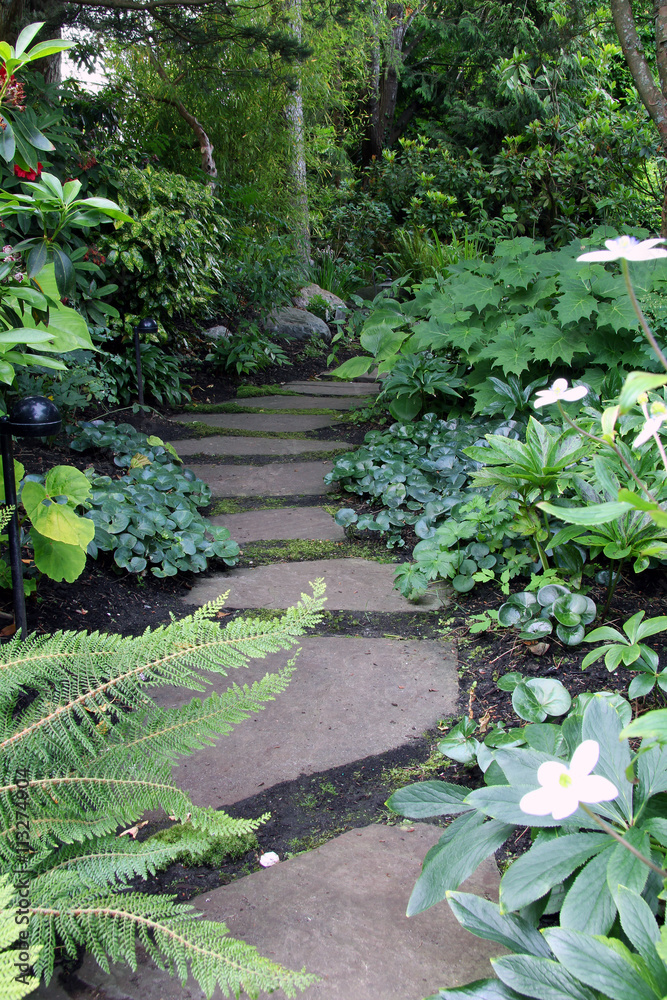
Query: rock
x: 297, y: 324
x: 216, y: 333
x: 335, y: 309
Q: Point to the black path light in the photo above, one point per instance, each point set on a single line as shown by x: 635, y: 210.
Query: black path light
x: 145, y: 326
x: 34, y: 416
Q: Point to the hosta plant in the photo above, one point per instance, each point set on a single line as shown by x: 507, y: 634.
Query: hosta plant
x: 85, y: 750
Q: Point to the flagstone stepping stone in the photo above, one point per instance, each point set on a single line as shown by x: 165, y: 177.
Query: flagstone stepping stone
x: 352, y: 585
x: 318, y: 388
x: 349, y: 698
x: 276, y: 479
x: 254, y: 446
x: 280, y: 422
x: 338, y: 910
x: 281, y: 523
x: 300, y: 403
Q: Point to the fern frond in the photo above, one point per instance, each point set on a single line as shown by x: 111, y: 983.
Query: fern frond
x: 172, y: 934
x: 16, y: 980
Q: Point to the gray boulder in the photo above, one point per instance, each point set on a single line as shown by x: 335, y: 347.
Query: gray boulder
x: 216, y: 333
x: 335, y: 307
x: 297, y: 324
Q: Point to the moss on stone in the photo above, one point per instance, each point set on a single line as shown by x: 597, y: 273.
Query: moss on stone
x: 304, y: 550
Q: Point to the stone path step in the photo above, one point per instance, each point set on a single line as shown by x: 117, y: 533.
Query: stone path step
x: 282, y: 423
x: 275, y: 479
x: 338, y: 910
x: 352, y: 585
x: 301, y: 402
x: 254, y: 446
x: 281, y: 524
x: 321, y: 388
x: 349, y: 698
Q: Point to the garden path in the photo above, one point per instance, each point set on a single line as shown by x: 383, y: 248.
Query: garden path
x: 338, y: 910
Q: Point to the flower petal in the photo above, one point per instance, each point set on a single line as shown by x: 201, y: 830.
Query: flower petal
x: 538, y: 802
x: 598, y: 256
x: 584, y: 758
x: 564, y: 803
x: 550, y: 772
x: 594, y: 788
x: 576, y: 392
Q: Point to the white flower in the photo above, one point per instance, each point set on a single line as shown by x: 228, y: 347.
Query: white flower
x: 563, y: 788
x: 627, y: 248
x: 268, y: 859
x: 559, y: 390
x: 651, y: 425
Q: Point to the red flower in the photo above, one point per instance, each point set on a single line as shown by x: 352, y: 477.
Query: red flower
x: 28, y: 175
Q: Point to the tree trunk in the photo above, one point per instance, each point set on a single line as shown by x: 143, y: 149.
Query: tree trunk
x: 654, y: 97
x: 297, y: 144
x: 383, y: 84
x: 205, y: 147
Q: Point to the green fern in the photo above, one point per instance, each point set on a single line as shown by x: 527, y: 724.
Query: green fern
x: 85, y: 750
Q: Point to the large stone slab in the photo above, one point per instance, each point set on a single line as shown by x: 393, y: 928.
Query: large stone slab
x: 276, y: 479
x: 254, y: 446
x: 340, y: 912
x: 349, y: 698
x: 282, y: 423
x: 300, y: 403
x: 320, y: 388
x: 281, y: 523
x: 352, y: 585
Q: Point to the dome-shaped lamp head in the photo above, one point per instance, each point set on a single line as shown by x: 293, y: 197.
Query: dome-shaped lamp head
x: 147, y: 326
x: 34, y: 416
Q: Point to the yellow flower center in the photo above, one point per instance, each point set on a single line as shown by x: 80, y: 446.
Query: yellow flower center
x: 565, y: 780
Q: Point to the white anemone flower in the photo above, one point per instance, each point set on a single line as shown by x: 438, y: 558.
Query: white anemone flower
x: 626, y: 248
x: 560, y: 391
x: 563, y: 788
x: 652, y: 424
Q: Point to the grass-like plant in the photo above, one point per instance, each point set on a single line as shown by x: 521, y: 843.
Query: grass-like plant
x: 85, y: 750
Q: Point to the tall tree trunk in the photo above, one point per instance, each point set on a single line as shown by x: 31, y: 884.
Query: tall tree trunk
x: 383, y: 83
x: 654, y: 97
x: 297, y: 144
x: 16, y: 14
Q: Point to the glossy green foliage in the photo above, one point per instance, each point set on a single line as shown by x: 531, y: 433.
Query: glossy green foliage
x: 59, y: 535
x: 531, y: 614
x: 629, y: 651
x: 569, y: 869
x: 246, y: 352
x: 414, y: 472
x: 167, y: 262
x: 419, y: 384
x: 164, y: 380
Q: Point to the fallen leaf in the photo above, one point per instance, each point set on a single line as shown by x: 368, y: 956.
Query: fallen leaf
x: 539, y: 648
x: 133, y: 830
x: 8, y: 630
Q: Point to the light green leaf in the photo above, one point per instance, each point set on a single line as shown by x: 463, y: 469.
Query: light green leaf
x: 57, y: 560
x: 598, y: 965
x: 64, y: 480
x: 636, y: 383
x: 429, y: 798
x: 541, y: 978
x: 589, y: 905
x: 599, y: 513
x: 545, y: 865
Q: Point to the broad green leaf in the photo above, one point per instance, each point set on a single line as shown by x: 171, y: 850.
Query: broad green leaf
x: 554, y: 344
x: 602, y: 723
x: 25, y: 335
x: 109, y: 208
x: 641, y: 929
x: 64, y: 480
x: 619, y: 314
x: 483, y: 919
x: 464, y: 845
x: 59, y: 522
x: 25, y: 38
x: 7, y: 141
x: 526, y: 704
x: 541, y: 978
x: 624, y: 868
x: 353, y: 368
x: 635, y: 384
x: 598, y: 965
x: 57, y: 560
x: 64, y: 272
x: 652, y: 726
x: 599, y: 513
x: 481, y: 989
x: 589, y: 905
x: 575, y: 302
x: 477, y: 290
x: 382, y: 341
x: 550, y: 694
x: 429, y: 798
x: 545, y: 865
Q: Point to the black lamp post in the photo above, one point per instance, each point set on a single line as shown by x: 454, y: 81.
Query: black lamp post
x: 34, y: 416
x: 147, y: 325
